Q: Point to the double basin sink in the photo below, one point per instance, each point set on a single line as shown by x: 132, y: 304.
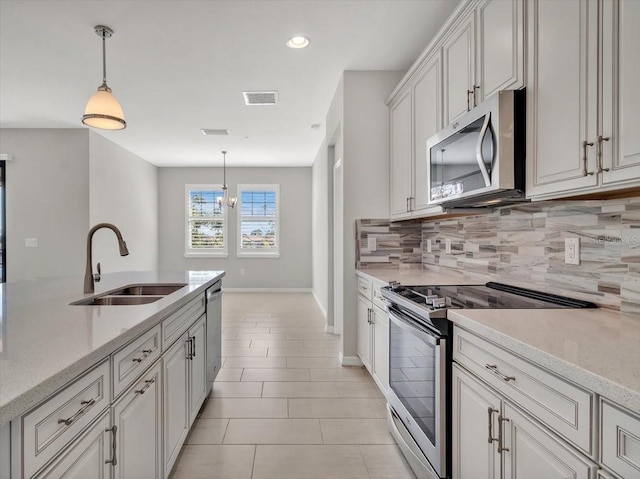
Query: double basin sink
x: 133, y: 294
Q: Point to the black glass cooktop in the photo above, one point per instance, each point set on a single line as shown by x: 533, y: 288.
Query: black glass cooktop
x: 488, y: 296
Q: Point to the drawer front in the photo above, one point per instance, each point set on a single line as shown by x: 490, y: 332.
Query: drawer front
x: 364, y: 288
x: 133, y: 359
x: 55, y: 423
x: 378, y: 299
x: 620, y: 440
x: 175, y: 325
x: 561, y: 406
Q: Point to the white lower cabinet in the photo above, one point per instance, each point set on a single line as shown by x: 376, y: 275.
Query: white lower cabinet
x: 373, y: 333
x: 184, y: 367
x: 493, y: 439
x: 88, y: 457
x: 138, y: 418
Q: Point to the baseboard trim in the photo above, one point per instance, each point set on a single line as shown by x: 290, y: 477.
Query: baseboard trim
x: 349, y: 360
x: 267, y: 290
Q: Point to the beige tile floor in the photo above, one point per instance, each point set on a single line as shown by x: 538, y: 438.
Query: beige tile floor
x: 282, y: 407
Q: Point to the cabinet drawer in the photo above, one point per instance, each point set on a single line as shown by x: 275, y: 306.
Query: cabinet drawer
x: 55, y: 423
x: 132, y: 360
x: 364, y: 288
x: 561, y: 406
x: 620, y: 440
x: 174, y: 325
x: 378, y: 299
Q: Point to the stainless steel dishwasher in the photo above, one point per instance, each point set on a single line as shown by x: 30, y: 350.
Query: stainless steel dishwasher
x: 214, y: 332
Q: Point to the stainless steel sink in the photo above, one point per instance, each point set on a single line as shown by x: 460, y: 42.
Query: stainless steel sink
x: 131, y: 295
x: 147, y: 289
x: 117, y: 300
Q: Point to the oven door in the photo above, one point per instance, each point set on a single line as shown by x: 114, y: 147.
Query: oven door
x: 417, y: 379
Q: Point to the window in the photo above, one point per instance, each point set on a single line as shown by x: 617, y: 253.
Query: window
x: 258, y: 221
x: 206, y: 221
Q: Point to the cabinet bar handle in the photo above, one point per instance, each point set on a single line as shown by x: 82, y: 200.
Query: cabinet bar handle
x: 147, y: 385
x: 599, y: 153
x: 114, y: 458
x: 190, y: 346
x: 469, y: 93
x: 500, y: 436
x: 193, y: 347
x: 490, y: 411
x: 475, y: 87
x: 494, y: 369
x: 85, y: 406
x: 147, y: 351
x: 585, y: 144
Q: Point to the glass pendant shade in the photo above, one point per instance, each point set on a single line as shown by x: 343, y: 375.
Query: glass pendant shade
x: 104, y: 111
x: 226, y: 200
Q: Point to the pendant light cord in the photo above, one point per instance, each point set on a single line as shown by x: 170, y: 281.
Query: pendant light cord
x: 224, y: 168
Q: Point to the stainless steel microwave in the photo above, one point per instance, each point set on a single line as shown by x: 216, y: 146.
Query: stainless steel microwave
x: 479, y: 160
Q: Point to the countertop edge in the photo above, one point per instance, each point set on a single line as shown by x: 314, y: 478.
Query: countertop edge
x: 591, y: 381
x: 21, y: 404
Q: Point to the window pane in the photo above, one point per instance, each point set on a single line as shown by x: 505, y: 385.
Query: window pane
x: 206, y: 234
x: 205, y: 203
x: 258, y: 234
x: 258, y: 203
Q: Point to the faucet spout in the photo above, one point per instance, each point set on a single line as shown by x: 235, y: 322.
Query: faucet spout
x: 88, y: 273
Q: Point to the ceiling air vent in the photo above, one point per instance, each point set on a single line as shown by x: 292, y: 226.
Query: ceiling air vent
x: 209, y: 132
x: 260, y: 97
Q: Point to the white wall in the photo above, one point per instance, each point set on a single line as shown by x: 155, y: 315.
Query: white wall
x: 47, y: 198
x: 63, y: 181
x: 319, y: 228
x: 359, y: 116
x: 291, y: 270
x: 123, y: 191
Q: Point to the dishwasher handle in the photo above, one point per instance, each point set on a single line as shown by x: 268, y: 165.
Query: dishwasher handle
x: 214, y: 293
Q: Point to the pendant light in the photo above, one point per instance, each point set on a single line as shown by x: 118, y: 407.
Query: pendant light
x: 226, y: 199
x: 103, y: 110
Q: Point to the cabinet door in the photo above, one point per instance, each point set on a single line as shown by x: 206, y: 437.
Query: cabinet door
x: 500, y: 47
x: 138, y: 415
x: 197, y: 368
x: 175, y: 366
x: 364, y: 332
x: 561, y: 96
x: 427, y: 108
x: 459, y: 67
x: 381, y: 347
x: 532, y: 452
x: 621, y: 91
x: 400, y: 154
x: 475, y: 410
x: 87, y: 457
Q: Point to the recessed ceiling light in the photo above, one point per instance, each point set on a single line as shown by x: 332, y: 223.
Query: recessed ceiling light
x: 298, y: 42
x: 214, y: 132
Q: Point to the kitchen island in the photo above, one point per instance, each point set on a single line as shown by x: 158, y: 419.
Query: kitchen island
x: 50, y: 346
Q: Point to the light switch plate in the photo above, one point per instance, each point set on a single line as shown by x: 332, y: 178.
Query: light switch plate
x: 31, y: 242
x: 428, y: 246
x: 572, y: 250
x: 447, y: 246
x: 371, y: 243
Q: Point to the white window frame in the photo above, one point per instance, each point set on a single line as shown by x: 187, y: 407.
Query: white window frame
x: 199, y: 253
x: 269, y: 253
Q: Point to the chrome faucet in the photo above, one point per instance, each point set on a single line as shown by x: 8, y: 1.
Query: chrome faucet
x: 88, y: 274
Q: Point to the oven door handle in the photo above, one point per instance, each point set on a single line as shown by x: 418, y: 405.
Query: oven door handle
x: 413, y: 328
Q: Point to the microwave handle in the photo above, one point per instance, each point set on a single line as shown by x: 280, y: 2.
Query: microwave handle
x: 483, y: 133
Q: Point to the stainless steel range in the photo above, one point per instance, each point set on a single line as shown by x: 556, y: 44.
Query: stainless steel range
x: 420, y: 361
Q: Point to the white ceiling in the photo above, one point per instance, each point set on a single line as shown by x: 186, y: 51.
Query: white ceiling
x: 179, y: 66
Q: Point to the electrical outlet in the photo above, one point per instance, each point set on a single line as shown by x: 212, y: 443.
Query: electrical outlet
x: 572, y: 250
x: 371, y: 243
x: 428, y: 246
x: 447, y: 246
x: 31, y: 242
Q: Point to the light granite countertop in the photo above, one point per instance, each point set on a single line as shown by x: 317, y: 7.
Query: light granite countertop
x: 598, y: 349
x: 45, y: 342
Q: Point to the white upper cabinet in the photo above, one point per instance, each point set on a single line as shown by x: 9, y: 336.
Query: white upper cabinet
x: 427, y: 108
x: 458, y: 51
x: 400, y: 166
x: 619, y: 135
x: 582, y: 97
x: 500, y: 47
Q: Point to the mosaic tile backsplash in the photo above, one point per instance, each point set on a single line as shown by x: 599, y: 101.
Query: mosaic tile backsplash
x: 524, y: 245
